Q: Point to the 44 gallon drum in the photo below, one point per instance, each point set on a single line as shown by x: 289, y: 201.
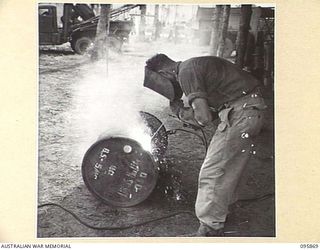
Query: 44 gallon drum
x: 119, y: 171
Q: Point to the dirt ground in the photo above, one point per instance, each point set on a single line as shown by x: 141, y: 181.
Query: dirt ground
x: 77, y: 102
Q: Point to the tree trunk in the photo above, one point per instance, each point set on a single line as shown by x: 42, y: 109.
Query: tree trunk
x: 223, y: 29
x: 142, y: 27
x: 101, y: 45
x: 242, y: 38
x: 215, y: 30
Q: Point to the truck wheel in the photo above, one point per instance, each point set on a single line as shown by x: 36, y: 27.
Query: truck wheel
x: 81, y: 45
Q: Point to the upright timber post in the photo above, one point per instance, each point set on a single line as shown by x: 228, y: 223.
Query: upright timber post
x: 242, y: 39
x: 142, y: 27
x: 215, y: 30
x: 100, y: 44
x: 176, y: 32
x: 223, y: 29
x: 156, y: 22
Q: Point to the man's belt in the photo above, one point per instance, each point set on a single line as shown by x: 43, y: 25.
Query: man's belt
x: 254, y: 93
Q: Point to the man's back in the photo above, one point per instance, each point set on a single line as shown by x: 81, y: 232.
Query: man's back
x: 214, y: 78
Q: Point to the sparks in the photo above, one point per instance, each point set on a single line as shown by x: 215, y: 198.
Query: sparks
x: 142, y: 137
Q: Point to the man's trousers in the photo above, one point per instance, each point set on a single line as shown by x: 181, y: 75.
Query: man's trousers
x: 227, y: 156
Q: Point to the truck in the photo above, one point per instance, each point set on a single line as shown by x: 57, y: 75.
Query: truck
x: 78, y: 25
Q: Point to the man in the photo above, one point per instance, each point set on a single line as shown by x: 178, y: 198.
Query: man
x: 212, y: 83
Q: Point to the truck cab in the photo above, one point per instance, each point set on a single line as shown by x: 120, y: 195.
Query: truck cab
x: 49, y: 34
x: 77, y: 24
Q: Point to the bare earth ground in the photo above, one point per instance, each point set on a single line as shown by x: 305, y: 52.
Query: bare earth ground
x: 77, y: 102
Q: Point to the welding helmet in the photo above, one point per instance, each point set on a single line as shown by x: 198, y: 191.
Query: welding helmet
x: 159, y: 82
x: 162, y: 85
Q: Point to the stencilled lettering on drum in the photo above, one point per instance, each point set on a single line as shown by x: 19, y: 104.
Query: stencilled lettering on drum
x: 98, y: 166
x: 134, y: 167
x: 133, y: 181
x: 141, y: 179
x: 111, y: 170
x: 128, y: 182
x: 124, y: 192
x: 124, y: 189
x: 143, y: 175
x: 104, y: 154
x: 137, y: 187
x: 97, y: 170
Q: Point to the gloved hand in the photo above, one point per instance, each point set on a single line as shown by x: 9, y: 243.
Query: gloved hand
x: 215, y: 114
x: 186, y: 115
x: 175, y: 106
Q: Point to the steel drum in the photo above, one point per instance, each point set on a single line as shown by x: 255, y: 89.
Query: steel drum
x: 119, y: 171
x: 158, y: 132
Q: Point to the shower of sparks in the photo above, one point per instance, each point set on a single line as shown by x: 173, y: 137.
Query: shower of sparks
x: 140, y: 135
x: 170, y: 181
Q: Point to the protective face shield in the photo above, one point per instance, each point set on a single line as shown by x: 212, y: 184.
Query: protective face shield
x: 161, y: 85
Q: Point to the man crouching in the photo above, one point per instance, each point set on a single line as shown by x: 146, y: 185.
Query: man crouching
x: 212, y: 83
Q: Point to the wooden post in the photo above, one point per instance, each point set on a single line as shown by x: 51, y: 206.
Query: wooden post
x: 142, y: 27
x: 175, y: 29
x: 223, y: 29
x: 242, y: 38
x: 100, y: 44
x: 215, y: 30
x: 156, y: 22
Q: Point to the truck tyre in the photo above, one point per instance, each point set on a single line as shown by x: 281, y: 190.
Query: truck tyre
x: 81, y: 45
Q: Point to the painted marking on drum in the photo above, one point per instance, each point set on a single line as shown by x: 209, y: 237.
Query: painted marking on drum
x: 137, y: 188
x: 98, y: 166
x: 133, y: 182
x: 97, y: 169
x: 112, y: 170
x: 134, y: 167
x: 104, y: 152
x: 143, y: 175
x: 123, y: 191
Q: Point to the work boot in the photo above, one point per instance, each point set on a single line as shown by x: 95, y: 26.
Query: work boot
x: 206, y: 231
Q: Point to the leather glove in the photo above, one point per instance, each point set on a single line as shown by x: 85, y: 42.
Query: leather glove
x: 215, y: 115
x: 186, y: 115
x: 175, y: 106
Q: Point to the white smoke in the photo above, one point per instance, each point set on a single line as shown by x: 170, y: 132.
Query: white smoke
x: 107, y: 104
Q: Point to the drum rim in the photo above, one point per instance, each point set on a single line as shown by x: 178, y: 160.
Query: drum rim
x: 115, y: 203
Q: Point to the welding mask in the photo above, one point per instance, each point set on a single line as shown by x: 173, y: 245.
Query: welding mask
x: 162, y: 85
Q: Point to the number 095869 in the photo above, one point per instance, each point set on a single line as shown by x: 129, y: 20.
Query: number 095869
x: 309, y: 246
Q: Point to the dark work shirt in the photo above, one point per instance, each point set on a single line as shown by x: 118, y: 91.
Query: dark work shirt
x: 214, y: 79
